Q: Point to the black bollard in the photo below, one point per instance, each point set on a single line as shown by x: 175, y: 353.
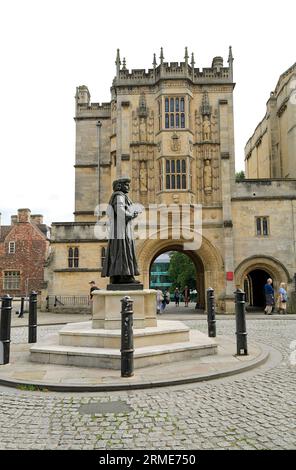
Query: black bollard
x: 33, y: 317
x: 211, y: 313
x: 5, y: 325
x: 241, y: 330
x: 22, y: 308
x: 127, y: 340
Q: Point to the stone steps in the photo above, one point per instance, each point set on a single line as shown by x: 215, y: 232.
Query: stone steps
x: 83, y: 335
x: 110, y: 358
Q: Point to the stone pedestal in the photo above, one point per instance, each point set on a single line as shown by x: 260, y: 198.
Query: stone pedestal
x: 107, y: 308
x: 97, y: 343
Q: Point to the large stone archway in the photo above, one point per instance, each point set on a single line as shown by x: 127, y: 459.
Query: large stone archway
x: 207, y: 259
x: 199, y: 268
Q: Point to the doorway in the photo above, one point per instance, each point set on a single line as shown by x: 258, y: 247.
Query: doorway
x: 254, y: 287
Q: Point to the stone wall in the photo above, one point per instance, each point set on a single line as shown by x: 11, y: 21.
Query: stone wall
x: 270, y: 151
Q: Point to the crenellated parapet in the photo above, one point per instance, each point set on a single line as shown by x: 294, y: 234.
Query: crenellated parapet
x: 86, y: 109
x: 217, y: 73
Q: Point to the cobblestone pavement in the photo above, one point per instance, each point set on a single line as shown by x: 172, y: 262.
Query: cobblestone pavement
x: 256, y: 410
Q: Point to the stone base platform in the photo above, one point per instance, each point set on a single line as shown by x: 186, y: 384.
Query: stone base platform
x: 28, y: 375
x: 84, y: 335
x: 83, y: 346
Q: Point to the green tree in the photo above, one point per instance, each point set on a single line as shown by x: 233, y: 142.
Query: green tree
x: 181, y: 271
x: 240, y: 176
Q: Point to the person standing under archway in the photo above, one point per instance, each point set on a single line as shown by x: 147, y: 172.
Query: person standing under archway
x: 186, y: 295
x: 269, y: 297
x: 282, y: 299
x: 177, y: 297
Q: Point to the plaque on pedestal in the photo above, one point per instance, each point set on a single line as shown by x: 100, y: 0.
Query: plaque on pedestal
x: 123, y: 287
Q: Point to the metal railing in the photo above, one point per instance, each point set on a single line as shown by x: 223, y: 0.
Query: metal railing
x: 67, y: 301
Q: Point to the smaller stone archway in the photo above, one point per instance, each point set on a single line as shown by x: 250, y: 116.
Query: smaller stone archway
x: 252, y: 273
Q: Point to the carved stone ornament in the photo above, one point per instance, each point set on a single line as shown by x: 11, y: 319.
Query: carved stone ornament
x: 142, y: 130
x: 135, y: 127
x: 175, y: 143
x: 206, y: 128
x: 150, y: 127
x: 142, y: 109
x: 207, y: 176
x: 114, y: 107
x: 143, y: 177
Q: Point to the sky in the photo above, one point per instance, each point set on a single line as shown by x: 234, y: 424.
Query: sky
x: 49, y: 47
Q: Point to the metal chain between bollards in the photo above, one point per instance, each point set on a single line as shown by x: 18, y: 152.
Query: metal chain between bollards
x: 241, y: 329
x: 211, y: 313
x: 127, y: 339
x: 5, y: 327
x: 33, y: 317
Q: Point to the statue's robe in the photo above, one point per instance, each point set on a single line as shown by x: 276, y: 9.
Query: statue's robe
x: 120, y: 256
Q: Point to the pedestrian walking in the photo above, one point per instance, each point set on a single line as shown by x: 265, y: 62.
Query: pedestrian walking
x: 177, y: 297
x: 159, y: 300
x: 166, y: 298
x: 93, y: 287
x: 186, y: 295
x: 282, y: 299
x: 269, y: 297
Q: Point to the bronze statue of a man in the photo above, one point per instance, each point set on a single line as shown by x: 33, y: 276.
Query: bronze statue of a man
x: 120, y: 263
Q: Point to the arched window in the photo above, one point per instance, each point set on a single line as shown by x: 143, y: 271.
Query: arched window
x: 265, y: 226
x: 166, y: 105
x: 73, y: 257
x: 172, y: 107
x: 160, y: 174
x: 167, y: 123
x: 70, y: 258
x: 182, y: 120
x: 182, y: 105
x: 172, y: 120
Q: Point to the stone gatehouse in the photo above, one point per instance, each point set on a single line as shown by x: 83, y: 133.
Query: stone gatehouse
x: 171, y: 129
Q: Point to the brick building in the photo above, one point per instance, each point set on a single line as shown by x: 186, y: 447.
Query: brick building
x: 24, y: 248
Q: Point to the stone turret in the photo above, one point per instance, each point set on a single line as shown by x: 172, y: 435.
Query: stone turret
x: 217, y: 63
x: 82, y: 95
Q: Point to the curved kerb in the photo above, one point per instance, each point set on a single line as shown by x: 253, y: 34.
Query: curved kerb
x: 258, y: 361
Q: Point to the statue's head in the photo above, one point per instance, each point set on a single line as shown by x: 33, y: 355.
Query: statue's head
x: 121, y: 184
